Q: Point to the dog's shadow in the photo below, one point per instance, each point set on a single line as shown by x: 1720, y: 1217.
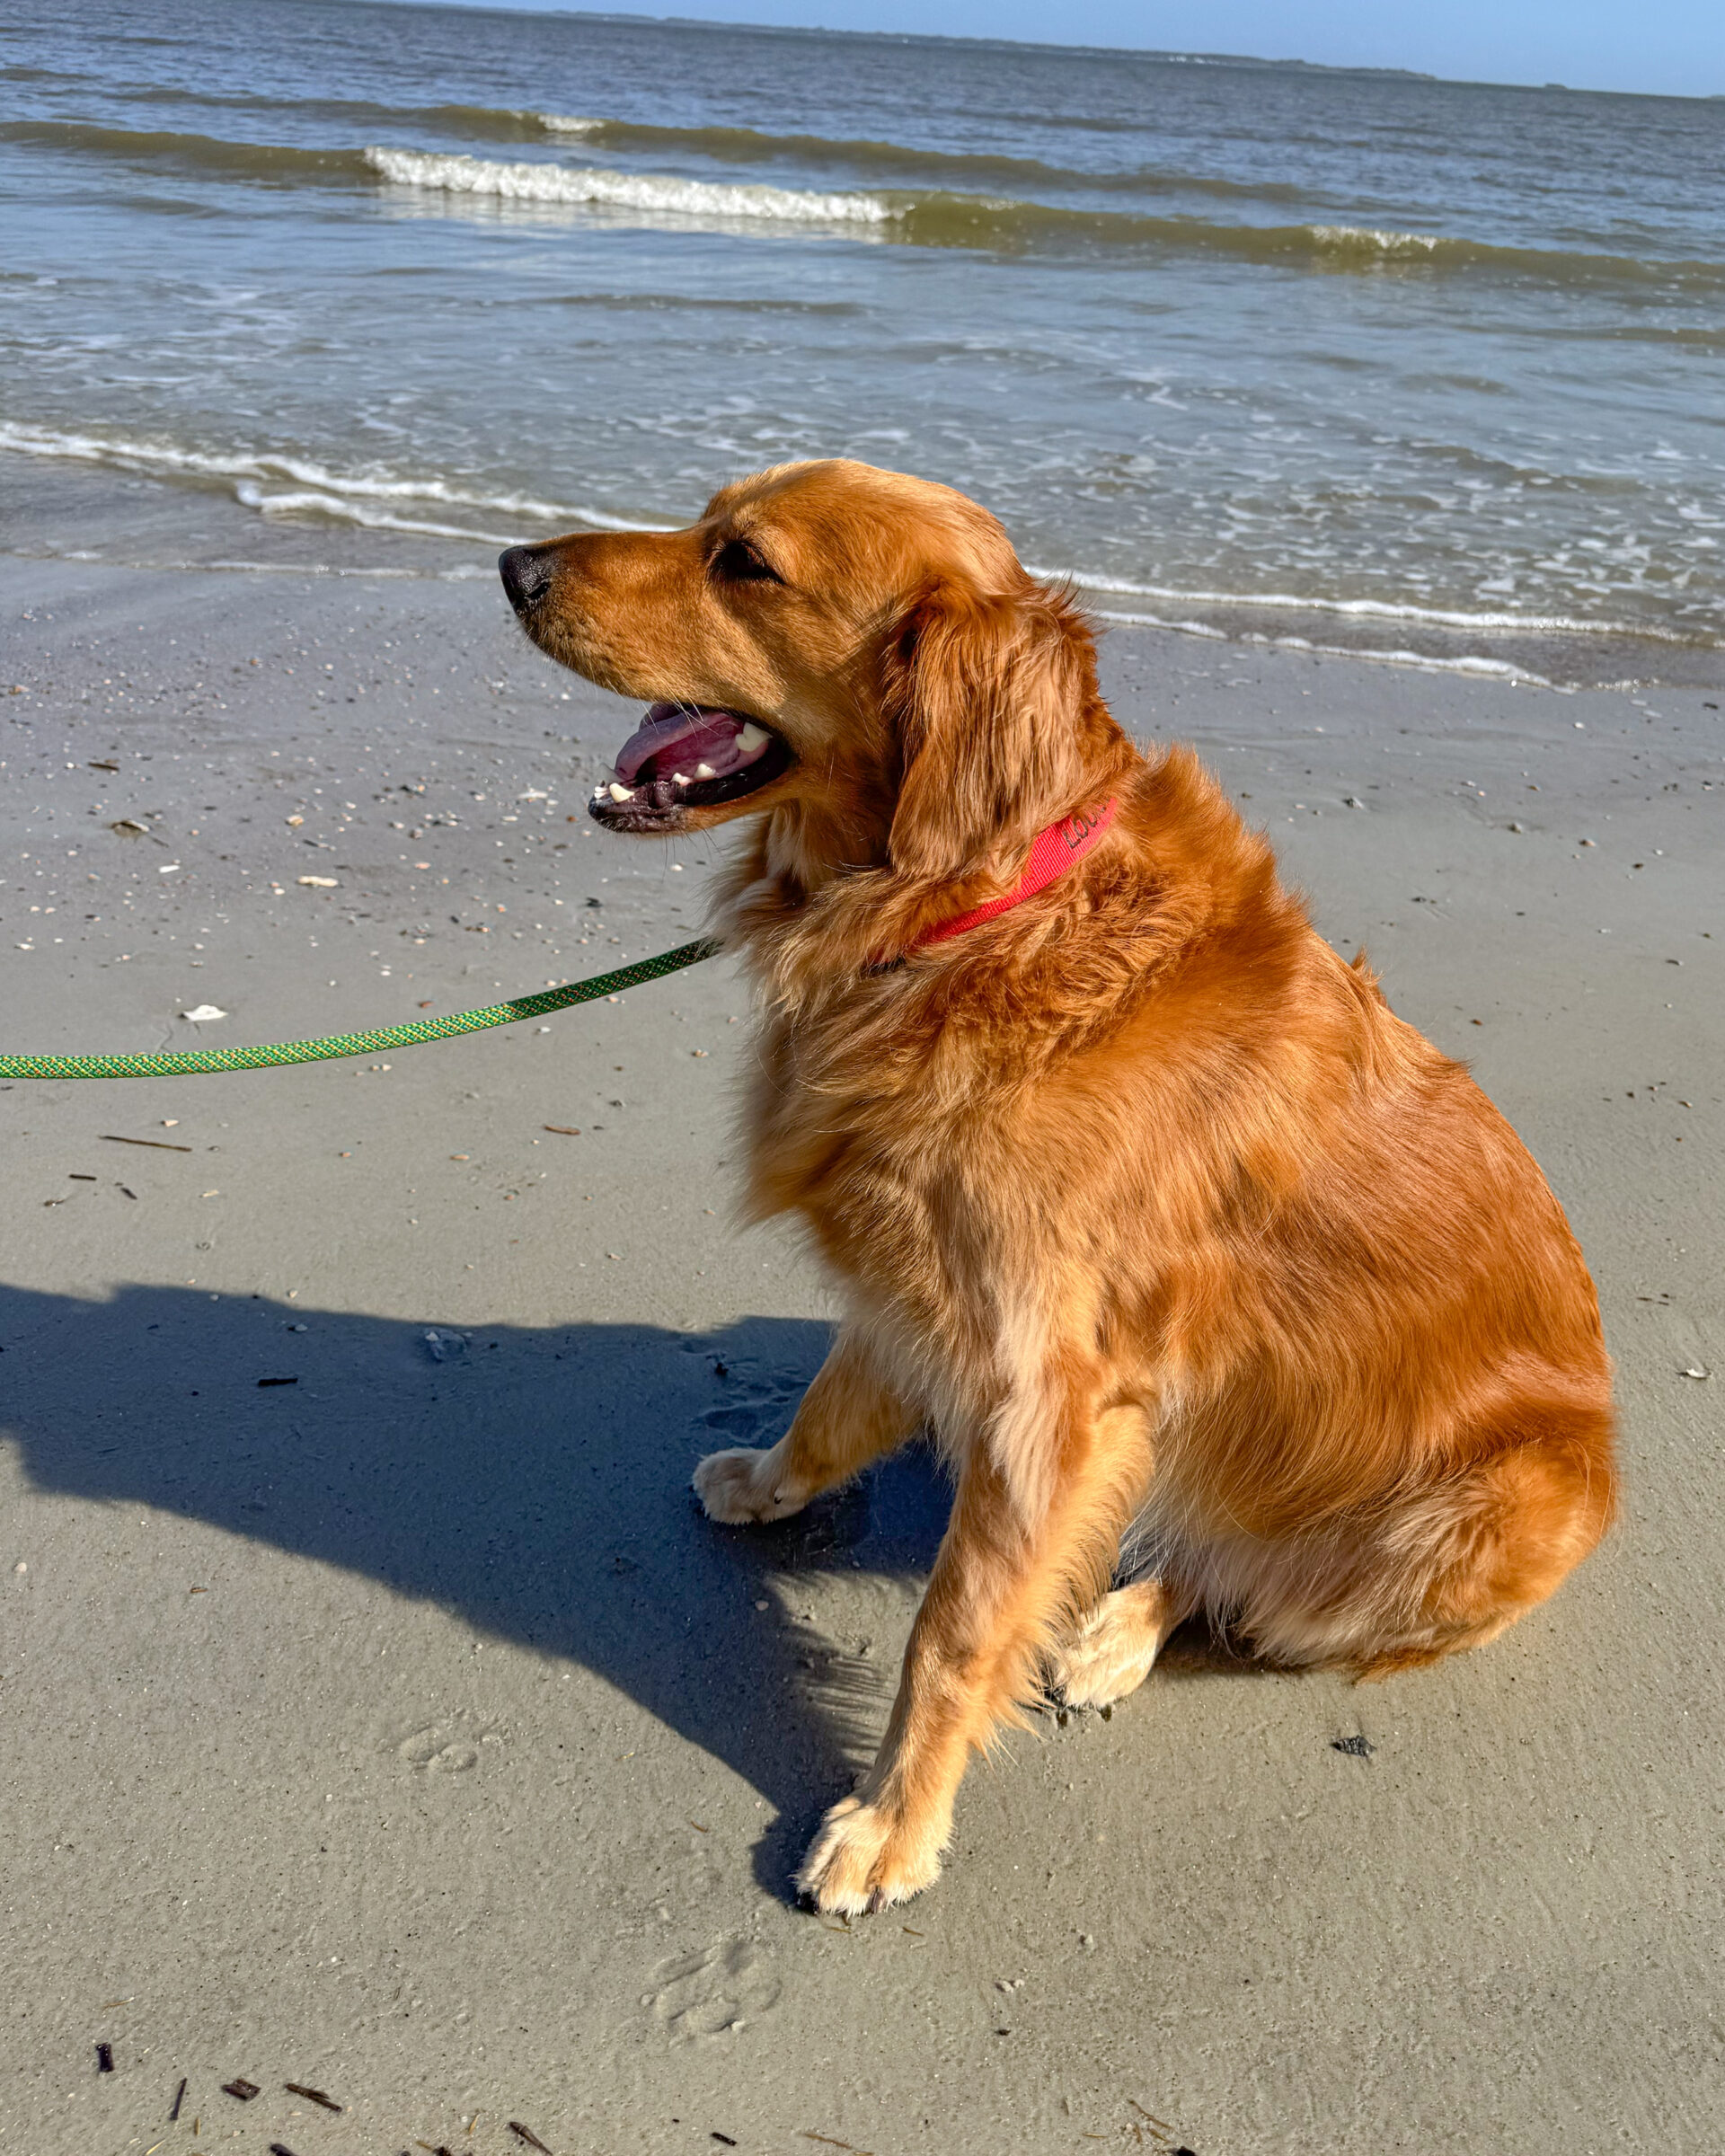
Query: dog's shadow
x: 536, y: 1482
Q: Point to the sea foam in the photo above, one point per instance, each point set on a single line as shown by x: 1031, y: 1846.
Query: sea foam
x: 589, y: 186
x: 1382, y: 610
x: 1472, y: 664
x: 276, y: 485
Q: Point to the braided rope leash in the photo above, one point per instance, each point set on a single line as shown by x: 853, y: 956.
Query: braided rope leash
x: 196, y: 1062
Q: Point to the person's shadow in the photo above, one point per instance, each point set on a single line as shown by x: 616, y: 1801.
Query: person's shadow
x: 536, y: 1482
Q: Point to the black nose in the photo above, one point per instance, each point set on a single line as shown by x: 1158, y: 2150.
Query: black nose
x: 525, y: 572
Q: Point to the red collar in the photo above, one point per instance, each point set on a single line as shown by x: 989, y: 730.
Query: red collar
x: 1057, y: 849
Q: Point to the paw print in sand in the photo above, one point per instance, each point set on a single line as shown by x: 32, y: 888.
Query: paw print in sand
x: 453, y: 1745
x: 713, y: 1992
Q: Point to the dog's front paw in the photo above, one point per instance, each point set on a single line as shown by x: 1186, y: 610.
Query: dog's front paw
x: 864, y: 1858
x: 743, y: 1488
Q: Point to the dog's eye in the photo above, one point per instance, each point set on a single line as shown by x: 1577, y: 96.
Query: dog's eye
x: 738, y: 562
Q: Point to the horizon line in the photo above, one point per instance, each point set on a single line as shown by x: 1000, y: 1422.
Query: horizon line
x: 1177, y: 56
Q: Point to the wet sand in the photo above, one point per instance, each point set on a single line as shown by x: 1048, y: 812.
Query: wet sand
x: 398, y: 1730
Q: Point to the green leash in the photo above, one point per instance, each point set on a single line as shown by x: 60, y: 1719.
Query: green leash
x: 194, y: 1062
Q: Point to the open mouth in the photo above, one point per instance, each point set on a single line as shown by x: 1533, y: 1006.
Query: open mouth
x: 684, y: 756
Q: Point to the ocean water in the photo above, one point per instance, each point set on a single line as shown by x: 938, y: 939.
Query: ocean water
x: 1370, y: 361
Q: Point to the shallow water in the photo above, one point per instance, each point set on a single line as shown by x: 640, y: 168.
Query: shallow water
x: 1368, y: 360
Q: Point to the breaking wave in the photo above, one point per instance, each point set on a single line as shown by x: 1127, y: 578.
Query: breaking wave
x: 943, y: 219
x: 938, y: 217
x: 586, y: 186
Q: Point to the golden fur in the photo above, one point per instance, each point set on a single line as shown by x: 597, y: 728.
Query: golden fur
x: 1136, y: 1195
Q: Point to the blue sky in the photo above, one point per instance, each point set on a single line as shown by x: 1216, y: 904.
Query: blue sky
x: 1673, y: 46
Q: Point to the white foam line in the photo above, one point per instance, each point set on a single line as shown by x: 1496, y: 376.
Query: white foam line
x: 1157, y: 621
x: 1376, y: 238
x: 156, y: 458
x: 159, y: 459
x: 1531, y: 624
x: 590, y: 186
x: 1494, y: 669
x: 316, y: 503
x: 312, y: 568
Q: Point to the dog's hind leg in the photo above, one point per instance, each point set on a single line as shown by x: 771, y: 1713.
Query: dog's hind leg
x: 1482, y: 1548
x: 847, y: 1417
x: 1110, y: 1651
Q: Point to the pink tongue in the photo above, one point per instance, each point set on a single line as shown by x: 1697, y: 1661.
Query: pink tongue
x: 697, y: 735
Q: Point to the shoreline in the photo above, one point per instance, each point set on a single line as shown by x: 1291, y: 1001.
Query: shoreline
x: 193, y: 521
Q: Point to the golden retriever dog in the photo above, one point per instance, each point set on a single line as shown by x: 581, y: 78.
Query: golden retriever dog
x: 1134, y: 1193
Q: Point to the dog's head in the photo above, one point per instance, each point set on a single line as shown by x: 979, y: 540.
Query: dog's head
x: 858, y: 650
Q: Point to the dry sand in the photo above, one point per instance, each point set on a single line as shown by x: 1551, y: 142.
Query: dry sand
x: 401, y: 1731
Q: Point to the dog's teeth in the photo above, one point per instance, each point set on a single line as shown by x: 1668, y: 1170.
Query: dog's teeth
x: 619, y: 793
x: 598, y: 794
x: 677, y: 778
x: 751, y: 737
x: 705, y: 770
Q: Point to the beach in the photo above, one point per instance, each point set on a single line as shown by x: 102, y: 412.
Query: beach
x: 395, y: 1757
x: 383, y: 1720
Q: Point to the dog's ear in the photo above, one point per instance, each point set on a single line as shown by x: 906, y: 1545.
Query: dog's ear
x: 999, y: 723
